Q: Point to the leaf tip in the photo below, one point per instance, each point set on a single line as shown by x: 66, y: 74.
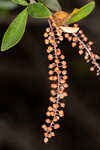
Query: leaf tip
x: 3, y: 49
x: 93, y: 3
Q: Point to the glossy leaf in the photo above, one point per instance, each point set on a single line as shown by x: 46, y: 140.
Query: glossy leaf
x: 38, y: 10
x: 52, y: 4
x: 82, y: 12
x: 15, y: 31
x: 21, y: 2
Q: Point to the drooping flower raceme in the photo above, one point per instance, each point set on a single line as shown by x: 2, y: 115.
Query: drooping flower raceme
x: 58, y: 80
x: 57, y: 68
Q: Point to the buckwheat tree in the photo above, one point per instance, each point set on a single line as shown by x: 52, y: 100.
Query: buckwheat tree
x: 60, y: 25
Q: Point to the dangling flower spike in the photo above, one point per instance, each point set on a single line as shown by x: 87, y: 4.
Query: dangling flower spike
x: 54, y: 35
x: 58, y: 80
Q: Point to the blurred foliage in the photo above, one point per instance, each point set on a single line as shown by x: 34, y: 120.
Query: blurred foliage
x: 7, y: 5
x: 52, y: 4
x: 21, y: 2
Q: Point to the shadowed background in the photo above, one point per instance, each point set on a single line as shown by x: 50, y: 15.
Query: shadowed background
x: 24, y: 89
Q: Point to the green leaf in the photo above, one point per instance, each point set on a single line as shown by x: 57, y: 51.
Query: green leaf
x: 15, y: 31
x: 52, y: 4
x: 82, y: 12
x: 6, y: 5
x: 21, y: 2
x: 38, y: 10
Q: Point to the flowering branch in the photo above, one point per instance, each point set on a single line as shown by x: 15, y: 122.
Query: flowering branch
x: 54, y: 34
